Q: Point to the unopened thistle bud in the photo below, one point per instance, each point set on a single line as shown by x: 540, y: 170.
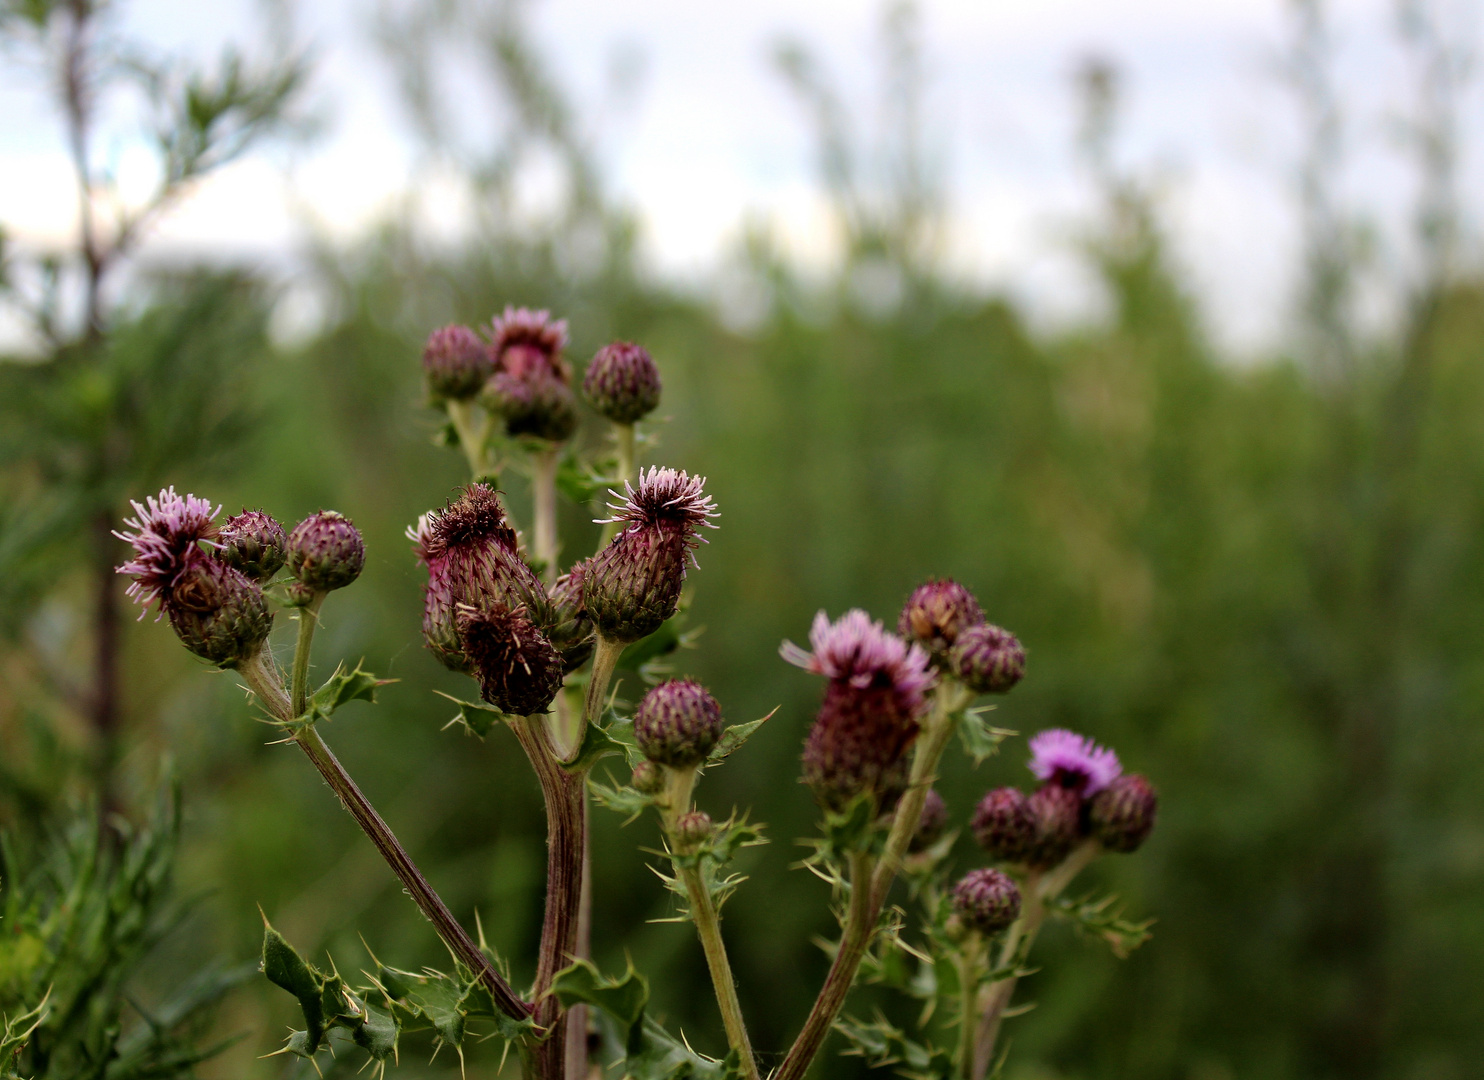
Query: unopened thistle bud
x: 932, y: 824
x: 253, y: 543
x: 622, y: 382
x: 519, y: 670
x: 1074, y: 761
x: 326, y: 552
x: 648, y: 778
x: 986, y: 900
x: 869, y: 718
x: 531, y: 386
x: 678, y: 723
x: 633, y: 585
x: 987, y: 659
x: 1122, y: 815
x: 1058, y: 814
x: 1005, y: 826
x: 691, y: 831
x: 571, y: 630
x: 473, y: 558
x: 456, y: 363
x: 218, y: 612
x: 935, y: 614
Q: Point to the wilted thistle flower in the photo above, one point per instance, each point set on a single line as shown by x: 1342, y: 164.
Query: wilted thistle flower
x: 472, y: 557
x: 935, y: 614
x: 519, y: 670
x: 1058, y: 814
x: 932, y: 824
x: 987, y: 659
x: 877, y: 691
x: 633, y: 585
x: 1073, y: 761
x: 216, y: 611
x: 678, y: 723
x: 1005, y: 825
x: 692, y: 830
x: 571, y: 631
x: 253, y: 543
x: 531, y: 386
x: 456, y: 363
x: 622, y: 382
x: 1122, y: 815
x: 163, y: 531
x: 325, y: 552
x: 986, y: 900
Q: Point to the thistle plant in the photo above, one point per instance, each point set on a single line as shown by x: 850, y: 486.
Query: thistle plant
x: 542, y: 641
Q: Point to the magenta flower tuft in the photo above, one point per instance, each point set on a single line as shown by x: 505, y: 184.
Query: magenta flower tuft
x: 858, y: 650
x: 165, y: 530
x: 531, y: 386
x: 664, y: 498
x: 1073, y: 761
x: 523, y: 337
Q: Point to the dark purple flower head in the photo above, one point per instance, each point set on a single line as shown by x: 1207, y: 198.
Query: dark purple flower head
x: 986, y: 900
x: 1074, y: 761
x: 1005, y: 826
x: 1059, y: 824
x: 217, y: 612
x: 677, y: 723
x: 935, y: 614
x: 325, y: 552
x: 525, y: 341
x: 633, y: 585
x: 622, y: 382
x: 1122, y: 815
x: 571, y: 630
x: 253, y: 543
x: 456, y: 363
x: 868, y: 720
x: 537, y: 404
x: 987, y: 659
x: 473, y: 558
x: 164, y: 531
x: 932, y: 824
x: 519, y: 670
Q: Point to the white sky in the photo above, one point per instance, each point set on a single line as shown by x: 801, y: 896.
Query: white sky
x: 711, y: 137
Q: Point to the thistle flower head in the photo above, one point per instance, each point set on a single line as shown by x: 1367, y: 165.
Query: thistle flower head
x: 217, y: 611
x: 456, y: 363
x: 622, y: 382
x: 538, y: 404
x: 325, y: 552
x: 633, y: 585
x: 254, y: 543
x: 1058, y: 814
x: 987, y: 659
x: 525, y: 341
x: 691, y: 831
x: 1073, y: 761
x: 986, y: 900
x: 164, y: 531
x: 677, y: 723
x: 1005, y: 826
x: 1122, y: 815
x: 931, y: 824
x: 519, y: 670
x: 858, y: 650
x: 473, y: 520
x: 571, y: 630
x: 936, y: 612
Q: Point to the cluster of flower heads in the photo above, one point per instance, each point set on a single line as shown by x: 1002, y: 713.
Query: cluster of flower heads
x: 208, y: 579
x: 521, y: 375
x: 1084, y: 795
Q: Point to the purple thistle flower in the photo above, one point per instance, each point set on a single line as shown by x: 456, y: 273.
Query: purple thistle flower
x: 1074, y: 761
x: 164, y: 532
x: 858, y: 650
x: 531, y: 386
x: 519, y: 670
x: 664, y: 497
x: 531, y: 333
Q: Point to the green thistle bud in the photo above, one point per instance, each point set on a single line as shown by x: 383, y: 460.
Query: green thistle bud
x: 677, y: 723
x: 986, y: 900
x: 987, y: 659
x: 218, y: 612
x: 1058, y: 814
x: 519, y: 670
x: 648, y: 778
x: 1122, y: 815
x: 326, y: 552
x: 691, y: 831
x: 622, y: 382
x: 1005, y: 825
x: 253, y: 543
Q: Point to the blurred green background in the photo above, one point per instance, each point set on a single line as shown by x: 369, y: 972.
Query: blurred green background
x: 1262, y: 583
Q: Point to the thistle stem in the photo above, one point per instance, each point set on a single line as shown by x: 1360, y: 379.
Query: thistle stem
x: 543, y: 498
x: 1039, y: 888
x: 869, y: 885
x: 605, y: 660
x: 472, y: 424
x: 299, y: 684
x: 968, y: 988
x: 266, y: 683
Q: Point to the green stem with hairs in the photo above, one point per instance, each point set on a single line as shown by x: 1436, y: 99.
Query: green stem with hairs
x: 605, y: 660
x: 544, y: 510
x: 299, y: 683
x: 472, y: 423
x: 969, y: 963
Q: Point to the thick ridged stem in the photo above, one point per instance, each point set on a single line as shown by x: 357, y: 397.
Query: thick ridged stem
x: 265, y: 682
x: 472, y: 423
x: 565, y: 828
x: 299, y: 681
x: 968, y: 988
x: 868, y: 894
x: 544, y: 509
x: 1039, y: 888
x: 605, y: 661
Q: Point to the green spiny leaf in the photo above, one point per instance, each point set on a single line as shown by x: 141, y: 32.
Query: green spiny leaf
x: 286, y: 969
x: 1099, y: 918
x: 979, y: 738
x: 733, y: 738
x: 597, y: 744
x: 342, y: 688
x: 476, y: 717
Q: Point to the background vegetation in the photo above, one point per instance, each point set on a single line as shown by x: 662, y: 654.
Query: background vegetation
x: 1262, y: 583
